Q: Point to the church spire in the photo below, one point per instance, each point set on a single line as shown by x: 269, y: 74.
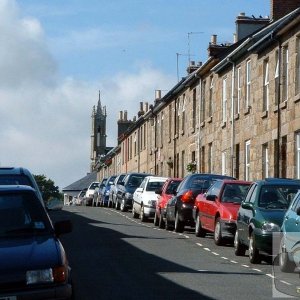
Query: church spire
x: 99, y: 106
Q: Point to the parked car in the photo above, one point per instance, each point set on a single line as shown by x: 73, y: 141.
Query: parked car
x: 33, y: 263
x: 289, y: 254
x: 261, y: 214
x: 103, y: 195
x: 89, y: 195
x: 113, y: 190
x: 126, y: 189
x: 179, y: 211
x: 164, y: 195
x: 19, y: 175
x: 216, y: 210
x: 145, y: 198
x: 55, y: 204
x: 80, y: 197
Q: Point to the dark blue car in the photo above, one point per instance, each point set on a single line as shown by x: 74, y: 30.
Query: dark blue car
x: 33, y: 263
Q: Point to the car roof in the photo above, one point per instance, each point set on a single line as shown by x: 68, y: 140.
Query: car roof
x: 276, y: 181
x: 16, y: 188
x: 14, y: 170
x: 156, y: 178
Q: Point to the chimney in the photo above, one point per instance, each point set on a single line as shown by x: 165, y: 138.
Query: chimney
x: 192, y: 67
x: 246, y: 25
x: 125, y: 115
x: 213, y: 39
x: 280, y: 8
x: 123, y: 124
x: 146, y: 106
x: 141, y: 112
x: 121, y: 116
x: 157, y: 94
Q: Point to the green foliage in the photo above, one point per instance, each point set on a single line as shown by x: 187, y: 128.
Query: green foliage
x: 47, y: 188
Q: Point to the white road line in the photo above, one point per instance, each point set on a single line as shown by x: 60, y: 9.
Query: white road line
x: 199, y: 244
x: 224, y: 257
x: 257, y: 270
x: 186, y: 236
x: 246, y: 266
x: 287, y: 283
x: 215, y: 253
x: 207, y: 249
x: 270, y: 275
x: 234, y: 262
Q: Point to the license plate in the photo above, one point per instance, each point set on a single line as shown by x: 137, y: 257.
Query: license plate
x: 8, y: 298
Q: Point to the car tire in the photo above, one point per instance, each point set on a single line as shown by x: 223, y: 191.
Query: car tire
x: 179, y: 225
x: 161, y: 222
x: 168, y: 226
x: 239, y: 248
x: 142, y: 214
x: 117, y: 206
x: 254, y: 255
x: 155, y: 220
x: 123, y: 206
x: 286, y: 265
x: 134, y: 214
x: 218, y: 233
x: 199, y: 231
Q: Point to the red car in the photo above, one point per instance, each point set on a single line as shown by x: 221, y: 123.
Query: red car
x: 216, y: 210
x: 165, y: 194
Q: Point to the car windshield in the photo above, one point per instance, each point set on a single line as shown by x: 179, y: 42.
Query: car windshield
x: 235, y: 192
x: 154, y: 185
x: 21, y: 214
x: 14, y: 179
x: 277, y: 197
x: 200, y: 183
x: 94, y: 185
x: 172, y: 187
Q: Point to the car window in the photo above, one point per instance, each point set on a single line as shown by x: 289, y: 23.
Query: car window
x: 94, y: 185
x: 276, y: 196
x: 200, y: 183
x: 296, y: 203
x: 135, y: 180
x: 14, y: 179
x: 234, y: 192
x: 22, y: 213
x: 154, y: 185
x: 142, y: 185
x: 215, y: 189
x: 250, y: 193
x: 173, y: 185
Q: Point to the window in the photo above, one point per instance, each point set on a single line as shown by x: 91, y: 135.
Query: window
x: 266, y: 86
x: 298, y: 155
x: 237, y: 160
x: 202, y: 159
x: 283, y: 156
x: 224, y: 99
x: 170, y: 121
x: 135, y: 145
x: 239, y: 91
x: 297, y: 71
x: 182, y: 164
x: 247, y: 160
x: 224, y: 162
x: 183, y: 114
x: 203, y: 85
x: 285, y: 73
x: 194, y: 112
x: 248, y: 82
x: 162, y: 129
x: 265, y: 161
x: 211, y: 89
x: 276, y: 77
x: 177, y: 115
x: 209, y: 161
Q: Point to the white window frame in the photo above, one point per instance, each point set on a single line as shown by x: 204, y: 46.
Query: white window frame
x: 211, y: 89
x: 239, y: 90
x: 298, y: 155
x: 266, y: 160
x: 248, y: 82
x: 247, y: 160
x: 286, y: 73
x: 266, y: 96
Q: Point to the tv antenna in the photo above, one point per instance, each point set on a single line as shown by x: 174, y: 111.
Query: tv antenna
x: 177, y: 59
x: 189, y: 43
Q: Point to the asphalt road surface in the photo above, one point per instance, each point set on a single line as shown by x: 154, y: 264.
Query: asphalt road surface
x: 114, y: 256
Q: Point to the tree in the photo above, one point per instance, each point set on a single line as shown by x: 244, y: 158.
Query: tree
x: 47, y: 187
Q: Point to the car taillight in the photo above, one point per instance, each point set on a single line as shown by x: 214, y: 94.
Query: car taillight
x: 188, y: 197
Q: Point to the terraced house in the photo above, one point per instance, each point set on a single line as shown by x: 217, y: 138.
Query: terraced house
x: 236, y: 114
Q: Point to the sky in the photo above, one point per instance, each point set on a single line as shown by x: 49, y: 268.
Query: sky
x: 56, y: 56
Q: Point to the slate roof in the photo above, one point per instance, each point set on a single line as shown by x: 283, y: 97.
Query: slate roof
x: 81, y: 183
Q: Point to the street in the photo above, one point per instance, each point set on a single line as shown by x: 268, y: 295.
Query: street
x: 114, y: 256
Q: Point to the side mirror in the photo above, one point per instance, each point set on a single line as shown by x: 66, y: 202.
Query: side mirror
x: 211, y: 197
x: 246, y: 205
x: 62, y: 227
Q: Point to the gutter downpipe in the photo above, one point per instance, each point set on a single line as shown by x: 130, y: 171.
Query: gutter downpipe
x: 232, y: 117
x: 277, y: 159
x: 174, y: 139
x: 199, y: 130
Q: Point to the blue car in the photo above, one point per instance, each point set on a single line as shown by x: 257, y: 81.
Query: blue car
x: 104, y: 192
x: 33, y: 263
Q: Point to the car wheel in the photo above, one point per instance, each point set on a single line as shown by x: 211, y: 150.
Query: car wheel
x: 122, y: 206
x: 134, y: 214
x: 239, y: 248
x: 254, y: 255
x: 285, y: 263
x: 218, y: 233
x: 179, y: 225
x: 117, y: 206
x: 199, y: 231
x: 168, y: 226
x: 155, y: 221
x: 142, y: 215
x: 161, y: 222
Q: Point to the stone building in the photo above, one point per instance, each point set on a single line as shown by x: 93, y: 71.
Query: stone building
x: 236, y: 114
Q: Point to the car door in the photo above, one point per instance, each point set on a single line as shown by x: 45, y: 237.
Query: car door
x: 212, y: 205
x: 246, y: 213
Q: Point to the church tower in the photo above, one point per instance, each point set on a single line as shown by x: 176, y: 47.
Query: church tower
x: 98, y: 134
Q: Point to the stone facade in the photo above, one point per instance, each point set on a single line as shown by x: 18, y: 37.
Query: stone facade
x: 238, y: 114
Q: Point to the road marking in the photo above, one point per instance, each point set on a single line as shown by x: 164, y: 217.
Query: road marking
x: 186, y: 236
x: 287, y: 283
x: 207, y: 249
x: 202, y: 270
x: 224, y: 257
x: 246, y: 266
x: 234, y: 262
x: 215, y: 253
x: 270, y: 275
x: 257, y: 270
x: 199, y: 244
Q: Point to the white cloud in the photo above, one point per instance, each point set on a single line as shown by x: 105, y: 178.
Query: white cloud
x: 45, y: 120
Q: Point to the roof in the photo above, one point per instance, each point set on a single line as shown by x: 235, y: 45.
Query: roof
x: 82, y: 183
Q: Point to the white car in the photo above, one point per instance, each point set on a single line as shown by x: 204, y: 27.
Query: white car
x: 145, y: 198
